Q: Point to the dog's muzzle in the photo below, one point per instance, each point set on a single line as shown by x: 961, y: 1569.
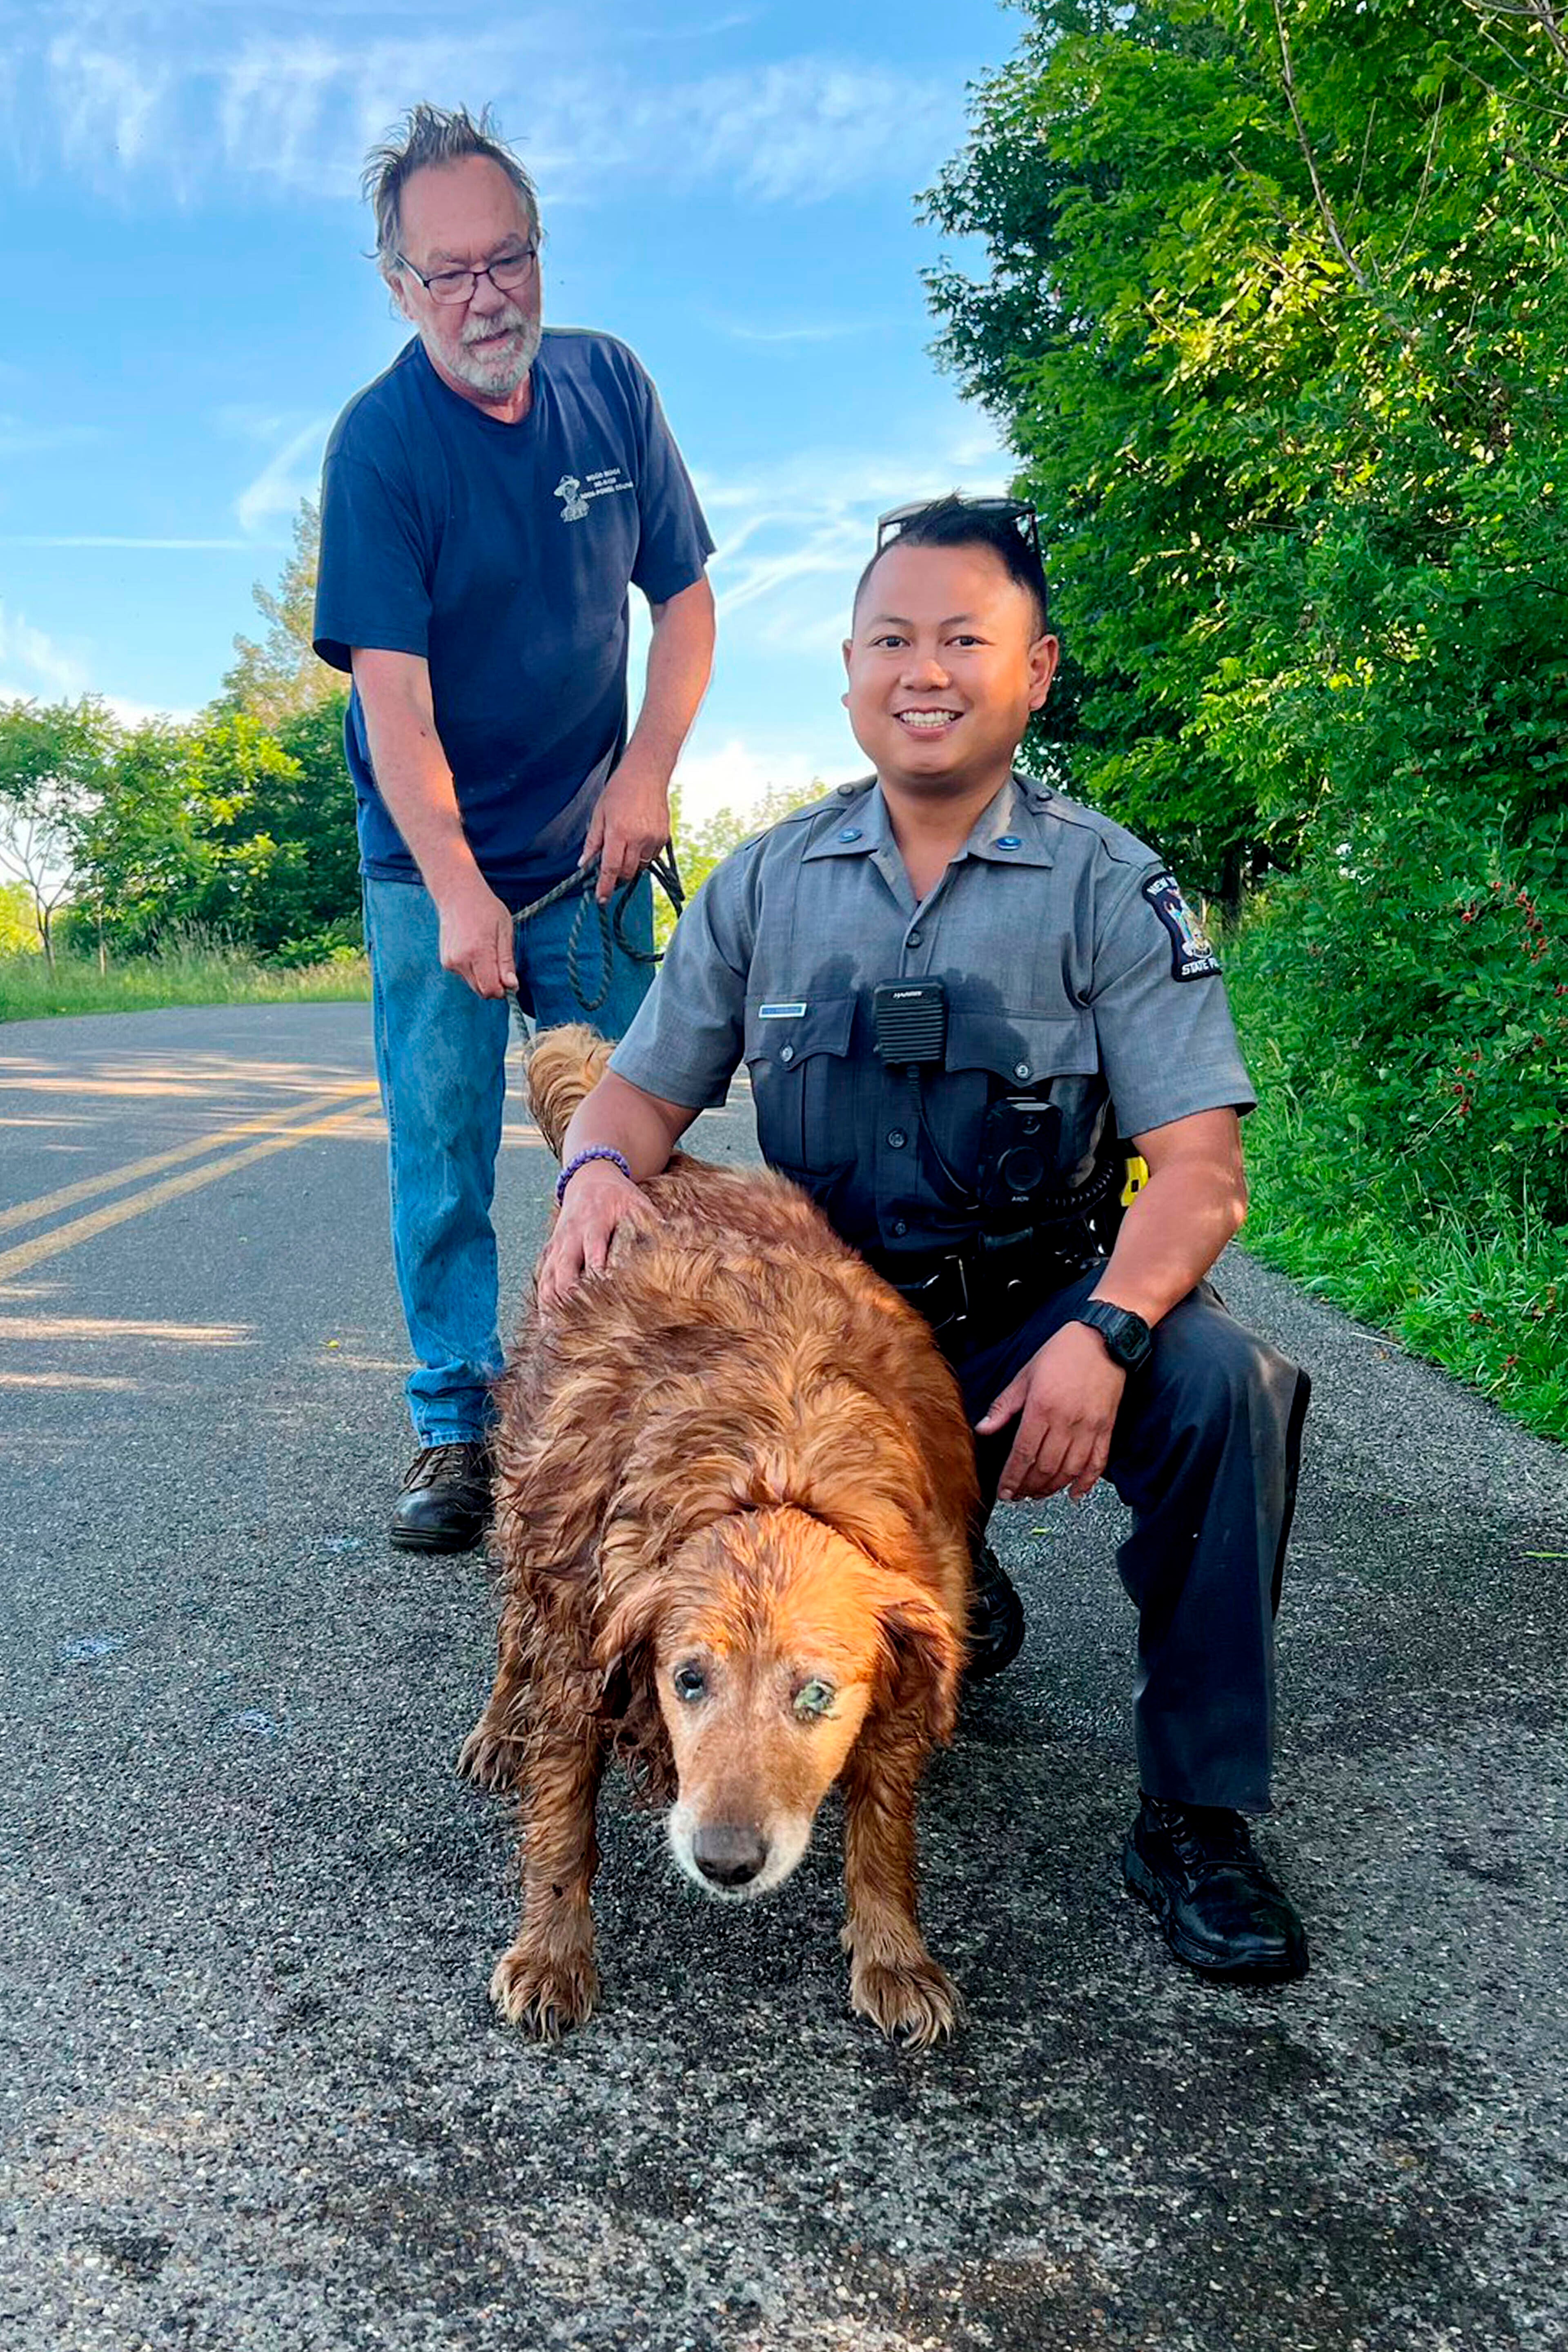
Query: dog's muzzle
x: 728, y: 1853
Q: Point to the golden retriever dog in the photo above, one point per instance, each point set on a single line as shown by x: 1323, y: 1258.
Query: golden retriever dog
x: 733, y: 1489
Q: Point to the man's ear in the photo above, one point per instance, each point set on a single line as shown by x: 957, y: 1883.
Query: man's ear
x: 1043, y: 655
x: 394, y: 287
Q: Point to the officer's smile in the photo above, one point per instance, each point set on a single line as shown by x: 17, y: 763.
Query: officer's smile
x: 927, y: 720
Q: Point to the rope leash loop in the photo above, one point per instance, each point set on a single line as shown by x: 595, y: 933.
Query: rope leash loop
x: 611, y: 918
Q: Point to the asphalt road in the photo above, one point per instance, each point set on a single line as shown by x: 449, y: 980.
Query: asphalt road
x: 253, y: 2093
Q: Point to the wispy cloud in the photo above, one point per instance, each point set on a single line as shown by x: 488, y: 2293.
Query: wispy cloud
x: 108, y: 539
x: 138, y: 714
x: 829, y: 331
x: 794, y: 534
x: 42, y: 665
x: 792, y: 134
x: 198, y: 95
x: 290, y: 474
x: 21, y: 438
x: 664, y: 35
x: 739, y: 772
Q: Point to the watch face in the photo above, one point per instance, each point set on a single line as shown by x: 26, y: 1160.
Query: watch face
x: 1126, y: 1334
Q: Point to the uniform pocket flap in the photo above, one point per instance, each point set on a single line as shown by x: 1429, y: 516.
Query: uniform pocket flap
x: 787, y: 1029
x: 1025, y: 1048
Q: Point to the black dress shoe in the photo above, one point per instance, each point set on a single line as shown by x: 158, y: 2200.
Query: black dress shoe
x: 445, y: 1505
x: 995, y: 1618
x: 1221, y: 1912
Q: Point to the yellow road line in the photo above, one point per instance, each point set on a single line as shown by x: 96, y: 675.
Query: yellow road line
x: 84, y: 1229
x: 48, y: 1204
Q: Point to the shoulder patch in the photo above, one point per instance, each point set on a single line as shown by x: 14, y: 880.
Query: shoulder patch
x: 1192, y: 953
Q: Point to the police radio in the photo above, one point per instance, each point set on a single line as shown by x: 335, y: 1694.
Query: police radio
x: 909, y: 1017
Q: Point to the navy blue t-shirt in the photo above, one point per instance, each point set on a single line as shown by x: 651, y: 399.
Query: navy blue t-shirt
x: 502, y: 553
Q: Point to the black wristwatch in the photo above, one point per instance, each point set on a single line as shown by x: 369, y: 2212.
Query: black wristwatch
x: 1126, y: 1334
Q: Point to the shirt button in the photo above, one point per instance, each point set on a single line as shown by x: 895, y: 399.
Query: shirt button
x: 899, y: 1228
x: 913, y: 941
x: 897, y: 1137
x: 850, y: 833
x: 787, y: 1054
x: 1020, y: 1070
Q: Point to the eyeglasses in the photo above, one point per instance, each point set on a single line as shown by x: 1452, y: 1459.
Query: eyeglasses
x: 457, y: 285
x: 1017, y: 510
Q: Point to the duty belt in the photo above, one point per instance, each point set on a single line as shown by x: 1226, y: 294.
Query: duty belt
x: 993, y: 1280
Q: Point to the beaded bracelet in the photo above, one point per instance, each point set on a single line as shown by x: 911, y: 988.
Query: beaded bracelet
x: 594, y: 1151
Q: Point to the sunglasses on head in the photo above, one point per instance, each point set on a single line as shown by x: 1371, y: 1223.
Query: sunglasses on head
x: 1017, y: 510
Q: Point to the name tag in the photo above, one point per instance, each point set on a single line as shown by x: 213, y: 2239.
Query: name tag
x: 780, y: 1012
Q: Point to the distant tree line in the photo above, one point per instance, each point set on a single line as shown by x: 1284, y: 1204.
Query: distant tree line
x: 238, y: 825
x: 1275, y: 313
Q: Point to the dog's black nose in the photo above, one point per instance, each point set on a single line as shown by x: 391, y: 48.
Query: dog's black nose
x: 728, y: 1853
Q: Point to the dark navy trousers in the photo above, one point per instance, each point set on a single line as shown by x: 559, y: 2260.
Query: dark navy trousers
x: 1206, y: 1451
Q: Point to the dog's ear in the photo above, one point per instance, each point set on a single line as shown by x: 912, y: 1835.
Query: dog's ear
x: 926, y: 1658
x: 623, y: 1652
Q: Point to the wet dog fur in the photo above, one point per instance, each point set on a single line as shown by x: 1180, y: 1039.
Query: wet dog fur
x: 732, y: 1494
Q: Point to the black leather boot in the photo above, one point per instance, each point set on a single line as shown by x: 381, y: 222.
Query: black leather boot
x: 445, y: 1505
x: 995, y: 1618
x: 1222, y: 1913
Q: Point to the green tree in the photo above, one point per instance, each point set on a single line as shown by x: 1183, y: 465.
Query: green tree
x: 700, y: 846
x: 1275, y: 315
x: 276, y: 812
x: 1245, y: 321
x: 52, y: 761
x: 143, y: 863
x: 18, y: 920
x: 277, y: 677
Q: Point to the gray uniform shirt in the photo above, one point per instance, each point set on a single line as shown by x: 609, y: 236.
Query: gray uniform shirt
x: 1067, y: 955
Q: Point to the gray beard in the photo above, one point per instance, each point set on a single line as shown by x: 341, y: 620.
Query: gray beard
x: 499, y: 377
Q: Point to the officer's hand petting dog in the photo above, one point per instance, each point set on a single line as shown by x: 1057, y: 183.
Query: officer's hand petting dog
x: 598, y: 1203
x: 600, y: 1188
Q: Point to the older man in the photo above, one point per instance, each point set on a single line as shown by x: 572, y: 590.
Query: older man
x: 487, y: 503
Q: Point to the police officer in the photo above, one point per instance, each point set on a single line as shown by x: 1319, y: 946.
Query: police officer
x: 962, y: 1002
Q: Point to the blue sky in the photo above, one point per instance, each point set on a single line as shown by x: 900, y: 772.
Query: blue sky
x: 728, y: 188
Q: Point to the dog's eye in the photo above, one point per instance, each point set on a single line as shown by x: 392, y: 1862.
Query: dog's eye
x: 689, y: 1682
x: 813, y: 1698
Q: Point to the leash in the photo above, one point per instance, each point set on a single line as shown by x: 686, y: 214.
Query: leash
x: 610, y: 914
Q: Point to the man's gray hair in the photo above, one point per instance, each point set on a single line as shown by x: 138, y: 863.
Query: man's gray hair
x: 427, y: 135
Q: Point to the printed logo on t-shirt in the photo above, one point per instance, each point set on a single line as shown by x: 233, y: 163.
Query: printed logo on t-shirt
x: 1192, y: 953
x: 574, y: 494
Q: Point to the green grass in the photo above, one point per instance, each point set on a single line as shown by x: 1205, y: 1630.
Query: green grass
x: 191, y: 974
x: 1483, y: 1294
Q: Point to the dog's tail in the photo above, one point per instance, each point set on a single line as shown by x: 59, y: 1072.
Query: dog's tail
x: 562, y: 1069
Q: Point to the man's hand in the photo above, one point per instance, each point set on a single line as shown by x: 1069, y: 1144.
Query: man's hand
x: 476, y: 934
x: 630, y: 825
x: 1067, y: 1396
x: 597, y: 1203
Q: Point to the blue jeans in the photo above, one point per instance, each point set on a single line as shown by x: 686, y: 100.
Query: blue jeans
x: 440, y: 1055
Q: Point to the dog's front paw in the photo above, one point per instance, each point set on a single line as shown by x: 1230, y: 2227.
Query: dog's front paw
x: 488, y: 1758
x: 914, y: 2001
x: 546, y: 1994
